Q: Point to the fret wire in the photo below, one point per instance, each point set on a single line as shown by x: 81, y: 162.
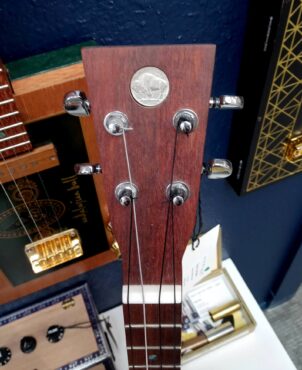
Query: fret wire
x: 3, y: 102
x: 9, y: 114
x: 10, y: 99
x: 13, y: 136
x: 153, y: 326
x: 157, y: 366
x: 166, y: 348
x: 14, y: 146
x: 11, y: 126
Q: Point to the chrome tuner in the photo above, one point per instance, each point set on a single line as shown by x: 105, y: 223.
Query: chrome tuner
x: 76, y: 104
x: 125, y: 193
x: 185, y: 120
x: 227, y: 102
x: 178, y: 193
x: 218, y: 169
x: 87, y: 169
x: 116, y: 123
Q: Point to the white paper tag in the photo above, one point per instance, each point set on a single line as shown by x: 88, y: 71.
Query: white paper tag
x: 211, y: 294
x: 200, y: 262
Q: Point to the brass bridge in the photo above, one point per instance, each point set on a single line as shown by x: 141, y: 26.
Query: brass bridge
x: 54, y: 250
x: 293, y: 151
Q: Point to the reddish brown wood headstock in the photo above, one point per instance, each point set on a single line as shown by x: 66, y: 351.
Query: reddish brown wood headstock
x: 109, y: 71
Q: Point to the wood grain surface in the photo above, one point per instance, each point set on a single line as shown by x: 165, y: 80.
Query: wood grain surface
x: 151, y: 144
x: 39, y: 97
x: 152, y: 147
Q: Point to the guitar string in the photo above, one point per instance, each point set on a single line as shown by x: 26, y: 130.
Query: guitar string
x: 17, y: 187
x: 128, y: 285
x: 50, y: 202
x: 20, y: 194
x: 160, y: 286
x: 138, y: 253
x: 174, y: 291
x: 16, y: 212
x: 165, y: 246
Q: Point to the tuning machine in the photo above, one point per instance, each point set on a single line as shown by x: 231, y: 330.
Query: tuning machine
x: 177, y: 193
x: 87, y: 169
x: 77, y: 104
x: 217, y: 169
x: 125, y: 193
x: 185, y: 121
x: 227, y: 102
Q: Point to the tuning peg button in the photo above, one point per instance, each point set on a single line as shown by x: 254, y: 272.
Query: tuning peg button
x: 218, y: 169
x: 87, y: 169
x: 76, y: 104
x: 227, y: 102
x: 185, y: 120
x: 177, y: 193
x: 125, y: 193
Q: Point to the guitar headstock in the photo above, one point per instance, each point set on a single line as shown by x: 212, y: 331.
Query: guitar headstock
x: 151, y: 90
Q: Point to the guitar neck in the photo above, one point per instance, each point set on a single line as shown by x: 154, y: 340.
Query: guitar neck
x: 153, y: 90
x: 13, y: 135
x: 163, y: 332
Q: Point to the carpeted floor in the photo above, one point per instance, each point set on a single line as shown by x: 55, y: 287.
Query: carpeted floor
x: 286, y: 320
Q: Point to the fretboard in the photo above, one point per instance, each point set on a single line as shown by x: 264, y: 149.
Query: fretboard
x: 162, y: 329
x: 13, y: 135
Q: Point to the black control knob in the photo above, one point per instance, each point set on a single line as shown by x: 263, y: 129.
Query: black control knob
x: 28, y: 344
x: 55, y: 333
x: 5, y: 355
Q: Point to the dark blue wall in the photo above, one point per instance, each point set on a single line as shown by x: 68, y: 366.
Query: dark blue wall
x: 259, y: 229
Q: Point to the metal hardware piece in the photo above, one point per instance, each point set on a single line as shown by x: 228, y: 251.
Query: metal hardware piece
x: 218, y: 169
x: 87, y: 168
x: 227, y: 102
x: 178, y: 193
x: 76, y: 104
x: 125, y: 193
x: 293, y: 151
x: 54, y: 250
x: 116, y: 122
x: 185, y: 120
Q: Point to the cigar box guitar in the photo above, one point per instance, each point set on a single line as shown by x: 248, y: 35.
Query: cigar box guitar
x: 48, y: 217
x: 150, y: 107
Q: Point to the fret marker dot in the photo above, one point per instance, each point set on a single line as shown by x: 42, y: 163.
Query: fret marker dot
x: 2, y: 135
x: 152, y: 357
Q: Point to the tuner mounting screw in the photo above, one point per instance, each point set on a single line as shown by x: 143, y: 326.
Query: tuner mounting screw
x: 76, y: 104
x: 125, y: 193
x: 116, y: 122
x: 218, y: 169
x: 185, y: 120
x: 227, y: 102
x: 87, y: 169
x: 177, y: 193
